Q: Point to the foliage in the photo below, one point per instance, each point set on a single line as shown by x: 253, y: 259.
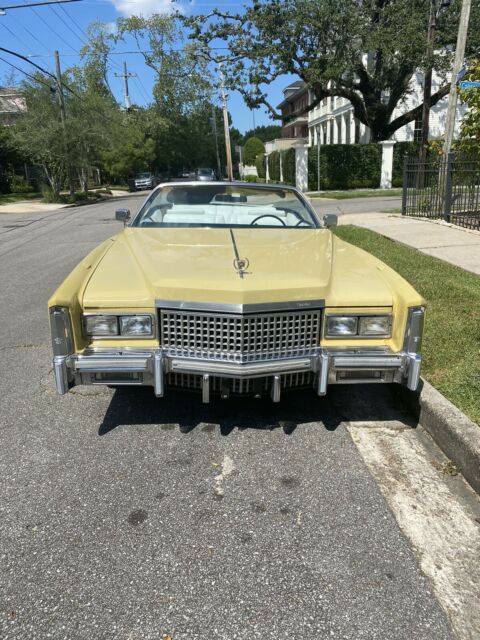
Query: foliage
x: 260, y: 164
x: 274, y: 166
x: 451, y: 341
x: 345, y: 166
x: 253, y: 148
x: 326, y: 45
x: 265, y: 133
x: 470, y: 130
x: 288, y: 166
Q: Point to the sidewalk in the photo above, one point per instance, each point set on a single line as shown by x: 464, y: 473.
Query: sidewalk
x: 458, y: 246
x: 37, y: 206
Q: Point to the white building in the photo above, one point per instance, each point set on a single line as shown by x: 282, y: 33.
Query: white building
x: 334, y: 122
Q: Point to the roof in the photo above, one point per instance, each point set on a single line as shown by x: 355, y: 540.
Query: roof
x: 292, y: 92
x: 11, y: 100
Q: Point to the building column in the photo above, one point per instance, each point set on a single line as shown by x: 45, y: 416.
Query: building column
x: 335, y: 131
x: 301, y: 167
x: 387, y: 164
x: 267, y: 175
x: 280, y: 154
x: 343, y: 130
x: 352, y: 128
x: 310, y: 136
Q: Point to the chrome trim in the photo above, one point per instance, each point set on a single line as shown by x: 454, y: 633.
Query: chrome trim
x: 61, y: 374
x: 414, y: 330
x: 276, y: 389
x: 234, y: 370
x: 205, y: 388
x: 367, y: 362
x: 219, y: 307
x: 105, y: 364
x: 323, y: 374
x: 61, y: 331
x: 158, y: 374
x: 414, y: 364
x: 121, y: 336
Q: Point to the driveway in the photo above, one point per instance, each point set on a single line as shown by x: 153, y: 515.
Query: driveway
x: 128, y: 517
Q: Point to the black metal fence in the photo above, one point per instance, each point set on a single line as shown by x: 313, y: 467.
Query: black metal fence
x: 443, y: 188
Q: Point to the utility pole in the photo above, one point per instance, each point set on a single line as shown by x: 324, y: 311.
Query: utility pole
x: 427, y: 85
x: 125, y: 75
x: 457, y: 65
x: 58, y: 75
x: 214, y: 127
x: 226, y: 126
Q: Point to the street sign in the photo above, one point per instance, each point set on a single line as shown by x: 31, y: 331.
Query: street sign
x: 470, y: 84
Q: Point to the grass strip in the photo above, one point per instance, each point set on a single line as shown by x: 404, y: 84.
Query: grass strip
x: 451, y: 346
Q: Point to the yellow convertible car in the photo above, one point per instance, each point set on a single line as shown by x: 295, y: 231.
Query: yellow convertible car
x: 233, y: 288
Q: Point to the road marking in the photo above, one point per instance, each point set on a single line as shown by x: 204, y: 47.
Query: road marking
x: 439, y: 521
x: 227, y: 468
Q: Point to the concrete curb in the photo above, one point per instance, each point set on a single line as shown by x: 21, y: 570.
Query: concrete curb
x: 455, y: 434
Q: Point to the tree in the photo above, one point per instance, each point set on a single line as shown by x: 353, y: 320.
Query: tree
x: 470, y: 128
x: 265, y: 133
x: 366, y: 51
x: 253, y: 148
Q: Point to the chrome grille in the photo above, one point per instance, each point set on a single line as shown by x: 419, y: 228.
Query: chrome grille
x: 239, y: 338
x: 240, y: 386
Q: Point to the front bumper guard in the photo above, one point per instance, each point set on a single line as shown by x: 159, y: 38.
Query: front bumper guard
x: 150, y: 366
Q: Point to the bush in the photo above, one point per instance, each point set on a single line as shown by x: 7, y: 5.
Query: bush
x: 400, y: 150
x: 274, y: 166
x: 20, y: 185
x: 345, y: 166
x: 288, y: 166
x: 253, y: 148
x: 260, y: 163
x: 251, y: 178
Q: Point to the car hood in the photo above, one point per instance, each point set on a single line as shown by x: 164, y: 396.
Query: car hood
x: 196, y: 264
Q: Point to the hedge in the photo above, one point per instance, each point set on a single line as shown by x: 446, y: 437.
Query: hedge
x: 260, y: 163
x: 253, y: 148
x: 400, y: 150
x: 345, y: 166
x: 274, y: 166
x: 288, y: 166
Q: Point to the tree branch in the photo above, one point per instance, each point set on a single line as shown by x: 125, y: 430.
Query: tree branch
x: 415, y: 113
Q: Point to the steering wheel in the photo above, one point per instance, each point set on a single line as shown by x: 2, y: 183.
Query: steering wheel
x: 267, y: 215
x: 305, y: 222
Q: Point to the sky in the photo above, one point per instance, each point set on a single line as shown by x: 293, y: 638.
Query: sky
x: 37, y: 31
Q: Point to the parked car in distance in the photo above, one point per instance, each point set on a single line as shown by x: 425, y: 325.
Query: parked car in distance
x: 205, y: 174
x: 144, y: 181
x: 233, y: 288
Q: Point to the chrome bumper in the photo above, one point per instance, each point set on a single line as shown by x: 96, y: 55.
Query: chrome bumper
x: 149, y: 367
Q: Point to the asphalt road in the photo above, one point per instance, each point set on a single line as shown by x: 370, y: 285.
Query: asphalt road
x: 127, y: 517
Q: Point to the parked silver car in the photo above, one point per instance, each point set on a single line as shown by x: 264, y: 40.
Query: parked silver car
x: 144, y: 181
x: 205, y: 175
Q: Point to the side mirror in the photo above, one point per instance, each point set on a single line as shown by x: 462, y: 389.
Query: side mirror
x: 122, y: 215
x: 330, y: 220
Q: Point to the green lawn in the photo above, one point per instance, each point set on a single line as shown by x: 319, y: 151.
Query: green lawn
x: 8, y: 198
x: 356, y: 193
x: 451, y: 347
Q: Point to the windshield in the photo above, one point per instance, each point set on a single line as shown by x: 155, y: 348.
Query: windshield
x: 224, y: 206
x: 204, y: 172
x: 144, y: 176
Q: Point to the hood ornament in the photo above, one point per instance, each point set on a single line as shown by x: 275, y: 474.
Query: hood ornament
x: 239, y: 264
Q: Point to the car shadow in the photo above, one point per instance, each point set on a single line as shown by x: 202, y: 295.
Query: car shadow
x: 185, y: 410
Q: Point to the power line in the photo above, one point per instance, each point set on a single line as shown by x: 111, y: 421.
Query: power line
x: 65, y: 23
x: 51, y: 28
x: 16, y: 37
x: 35, y: 4
x: 45, y: 71
x: 29, y: 75
x: 79, y: 29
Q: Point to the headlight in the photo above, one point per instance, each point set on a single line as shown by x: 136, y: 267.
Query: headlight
x: 375, y: 326
x: 101, y: 325
x: 358, y: 326
x: 342, y: 325
x: 135, y: 325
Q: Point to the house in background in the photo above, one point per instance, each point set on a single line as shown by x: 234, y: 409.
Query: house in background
x: 12, y: 104
x: 333, y: 119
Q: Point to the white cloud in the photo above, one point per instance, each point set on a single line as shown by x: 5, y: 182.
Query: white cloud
x: 148, y: 7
